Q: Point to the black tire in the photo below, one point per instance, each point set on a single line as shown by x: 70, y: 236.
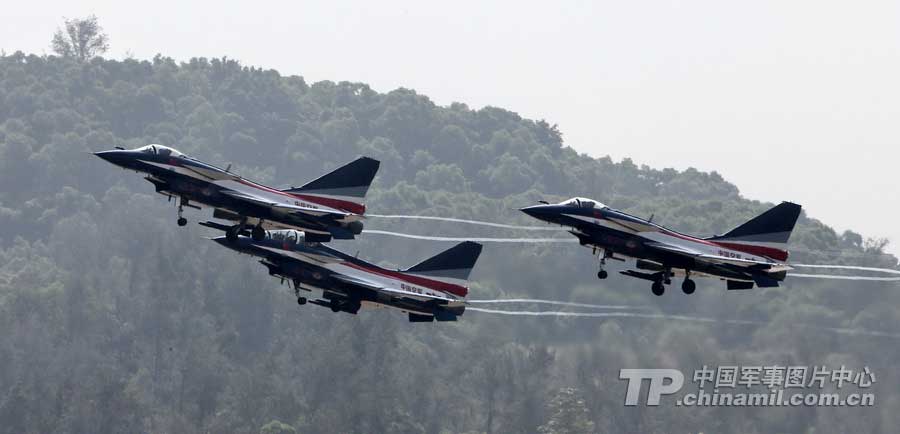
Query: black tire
x: 355, y: 228
x: 335, y: 307
x: 182, y: 221
x: 658, y: 288
x: 602, y: 274
x: 301, y: 301
x: 688, y: 286
x: 258, y: 233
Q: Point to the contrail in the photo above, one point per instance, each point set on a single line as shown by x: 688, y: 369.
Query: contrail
x: 839, y: 330
x: 483, y: 240
x: 473, y: 222
x: 849, y: 267
x: 558, y: 303
x: 839, y: 277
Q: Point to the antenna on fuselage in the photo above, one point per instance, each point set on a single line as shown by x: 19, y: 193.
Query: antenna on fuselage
x: 228, y: 169
x: 650, y: 220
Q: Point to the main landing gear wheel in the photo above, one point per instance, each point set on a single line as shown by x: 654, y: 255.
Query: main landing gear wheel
x: 182, y: 221
x: 232, y: 234
x: 335, y: 306
x: 602, y: 274
x: 688, y: 286
x: 658, y: 288
x: 301, y: 300
x: 258, y: 233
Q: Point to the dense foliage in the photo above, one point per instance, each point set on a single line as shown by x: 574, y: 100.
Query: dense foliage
x: 115, y: 320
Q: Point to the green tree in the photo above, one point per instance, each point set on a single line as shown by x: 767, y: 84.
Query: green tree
x: 568, y: 414
x: 277, y: 427
x: 83, y: 39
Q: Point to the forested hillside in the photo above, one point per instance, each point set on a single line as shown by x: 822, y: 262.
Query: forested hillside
x: 114, y: 319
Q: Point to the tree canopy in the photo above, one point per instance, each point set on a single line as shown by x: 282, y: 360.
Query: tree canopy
x: 82, y: 39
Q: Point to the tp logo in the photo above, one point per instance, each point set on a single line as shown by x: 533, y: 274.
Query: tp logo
x: 657, y: 377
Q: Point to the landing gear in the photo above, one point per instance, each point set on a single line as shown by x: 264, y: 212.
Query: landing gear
x: 300, y: 300
x: 658, y: 288
x: 181, y: 220
x: 258, y: 233
x: 335, y: 306
x: 688, y: 286
x: 602, y: 274
x: 232, y: 233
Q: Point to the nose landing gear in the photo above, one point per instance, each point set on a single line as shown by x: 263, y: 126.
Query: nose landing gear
x: 181, y: 220
x: 183, y: 202
x: 602, y: 274
x: 300, y: 300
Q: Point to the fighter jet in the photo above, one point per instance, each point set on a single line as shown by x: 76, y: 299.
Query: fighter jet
x: 434, y: 289
x: 753, y: 253
x: 330, y: 206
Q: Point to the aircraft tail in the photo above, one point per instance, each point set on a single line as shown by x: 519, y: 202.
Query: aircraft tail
x: 766, y: 234
x: 344, y: 187
x: 451, y: 266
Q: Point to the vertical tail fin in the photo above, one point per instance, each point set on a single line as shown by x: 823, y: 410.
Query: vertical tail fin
x: 344, y: 187
x: 766, y: 234
x: 451, y: 266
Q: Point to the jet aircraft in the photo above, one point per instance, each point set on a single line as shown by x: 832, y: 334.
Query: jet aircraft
x: 330, y: 206
x: 434, y: 289
x: 753, y: 253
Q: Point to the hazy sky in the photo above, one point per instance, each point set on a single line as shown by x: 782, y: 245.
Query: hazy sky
x: 795, y: 100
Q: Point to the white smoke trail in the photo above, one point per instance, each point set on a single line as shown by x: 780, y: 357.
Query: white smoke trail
x: 839, y: 277
x: 848, y: 267
x: 482, y: 240
x: 473, y: 222
x: 838, y: 330
x: 612, y: 315
x: 557, y: 303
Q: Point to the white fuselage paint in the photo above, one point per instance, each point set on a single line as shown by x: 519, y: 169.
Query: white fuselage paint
x: 653, y: 233
x: 262, y: 193
x: 392, y: 284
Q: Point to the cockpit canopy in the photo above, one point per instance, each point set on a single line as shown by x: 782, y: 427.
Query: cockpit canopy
x: 289, y: 235
x: 582, y: 202
x: 160, y: 150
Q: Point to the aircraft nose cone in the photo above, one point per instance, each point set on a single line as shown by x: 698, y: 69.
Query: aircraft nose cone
x: 537, y: 211
x: 533, y: 211
x: 115, y: 157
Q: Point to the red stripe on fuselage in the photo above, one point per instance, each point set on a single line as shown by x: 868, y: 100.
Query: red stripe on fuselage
x: 770, y: 252
x: 457, y: 290
x: 353, y: 207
